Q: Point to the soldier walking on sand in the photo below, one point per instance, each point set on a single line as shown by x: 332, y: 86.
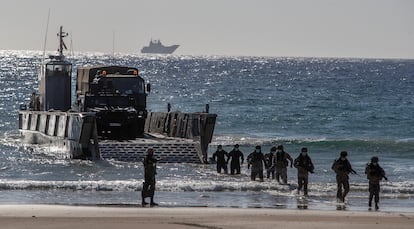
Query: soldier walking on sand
x: 150, y: 170
x: 374, y: 174
x: 342, y: 168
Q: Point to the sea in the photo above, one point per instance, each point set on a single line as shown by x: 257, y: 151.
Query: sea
x: 363, y: 106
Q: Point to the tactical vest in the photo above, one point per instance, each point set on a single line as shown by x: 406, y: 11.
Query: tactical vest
x: 281, y: 158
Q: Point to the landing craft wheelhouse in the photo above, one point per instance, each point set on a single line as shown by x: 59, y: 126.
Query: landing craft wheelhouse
x: 54, y: 83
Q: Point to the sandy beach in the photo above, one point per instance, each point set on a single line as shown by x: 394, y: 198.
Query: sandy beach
x: 62, y: 217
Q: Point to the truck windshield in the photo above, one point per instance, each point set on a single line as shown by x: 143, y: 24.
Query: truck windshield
x: 128, y: 85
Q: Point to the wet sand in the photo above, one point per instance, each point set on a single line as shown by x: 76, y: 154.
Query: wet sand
x: 70, y: 217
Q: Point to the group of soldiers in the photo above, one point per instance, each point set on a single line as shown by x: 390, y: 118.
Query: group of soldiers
x: 375, y: 173
x: 277, y: 161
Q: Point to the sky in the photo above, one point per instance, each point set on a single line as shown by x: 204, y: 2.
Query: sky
x: 293, y: 28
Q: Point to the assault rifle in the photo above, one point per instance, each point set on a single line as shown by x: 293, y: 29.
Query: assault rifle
x: 354, y: 172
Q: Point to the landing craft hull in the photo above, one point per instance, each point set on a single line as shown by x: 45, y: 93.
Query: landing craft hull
x: 65, y: 148
x: 175, y: 137
x: 71, y: 132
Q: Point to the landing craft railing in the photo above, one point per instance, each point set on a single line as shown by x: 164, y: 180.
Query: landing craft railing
x: 80, y: 132
x: 196, y: 126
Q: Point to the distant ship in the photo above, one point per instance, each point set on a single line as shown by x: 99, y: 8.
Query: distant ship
x: 155, y: 46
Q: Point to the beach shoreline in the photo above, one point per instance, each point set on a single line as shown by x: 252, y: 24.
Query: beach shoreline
x: 64, y: 216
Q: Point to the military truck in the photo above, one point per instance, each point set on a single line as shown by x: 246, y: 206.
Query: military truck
x: 117, y: 95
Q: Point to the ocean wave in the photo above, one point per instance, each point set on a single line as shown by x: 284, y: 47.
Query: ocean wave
x: 405, y: 140
x: 229, y: 140
x: 391, y: 189
x: 102, y: 185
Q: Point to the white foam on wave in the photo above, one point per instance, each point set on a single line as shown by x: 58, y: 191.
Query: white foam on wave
x: 405, y: 140
x: 99, y: 185
x: 260, y: 140
x: 231, y: 139
x: 398, y: 190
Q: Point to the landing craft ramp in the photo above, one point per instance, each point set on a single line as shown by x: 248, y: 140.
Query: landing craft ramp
x: 175, y: 137
x: 167, y: 150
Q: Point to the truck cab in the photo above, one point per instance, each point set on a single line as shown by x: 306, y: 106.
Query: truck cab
x: 117, y: 95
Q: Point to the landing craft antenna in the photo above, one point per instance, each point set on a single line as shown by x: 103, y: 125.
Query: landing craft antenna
x: 113, y: 44
x: 71, y: 44
x: 47, y: 28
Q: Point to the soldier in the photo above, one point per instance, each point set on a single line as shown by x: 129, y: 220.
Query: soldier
x: 270, y: 168
x: 256, y: 160
x: 235, y: 156
x: 305, y: 166
x: 150, y: 167
x: 281, y: 163
x: 342, y: 168
x: 220, y: 154
x: 374, y: 174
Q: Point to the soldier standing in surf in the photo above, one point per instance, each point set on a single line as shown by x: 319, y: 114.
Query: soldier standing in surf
x: 305, y: 166
x: 280, y: 161
x: 220, y: 154
x: 270, y: 168
x: 256, y: 160
x: 374, y: 174
x: 342, y: 168
x: 150, y: 170
x: 235, y: 155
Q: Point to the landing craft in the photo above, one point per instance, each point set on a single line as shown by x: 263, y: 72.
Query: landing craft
x: 109, y: 119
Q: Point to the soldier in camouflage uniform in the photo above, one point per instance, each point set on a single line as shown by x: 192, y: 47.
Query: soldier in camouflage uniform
x: 342, y: 168
x: 305, y: 166
x: 150, y: 167
x: 256, y: 161
x: 222, y: 157
x: 235, y: 155
x: 270, y: 168
x: 281, y: 162
x: 374, y: 174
